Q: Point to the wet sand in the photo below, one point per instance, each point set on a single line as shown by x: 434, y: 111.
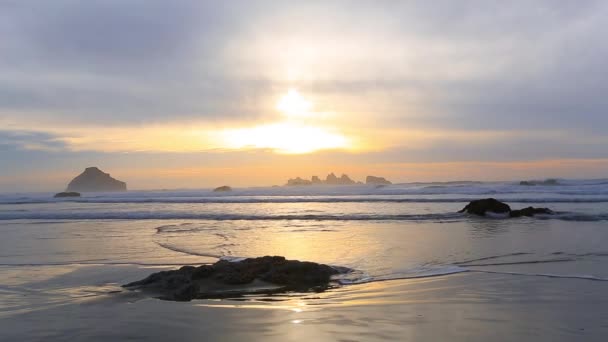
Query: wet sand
x: 469, y: 306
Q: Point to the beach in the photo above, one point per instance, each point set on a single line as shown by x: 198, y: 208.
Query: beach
x: 421, y: 270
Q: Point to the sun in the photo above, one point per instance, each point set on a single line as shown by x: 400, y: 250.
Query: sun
x: 293, y: 104
x: 292, y: 135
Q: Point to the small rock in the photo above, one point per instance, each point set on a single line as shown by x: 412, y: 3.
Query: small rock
x: 67, y: 194
x: 480, y: 207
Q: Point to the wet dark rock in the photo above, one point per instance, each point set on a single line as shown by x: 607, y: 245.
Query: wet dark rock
x: 483, y: 206
x: 530, y: 211
x: 93, y: 179
x: 223, y: 188
x: 480, y: 207
x: 377, y: 180
x: 269, y: 274
x: 67, y: 194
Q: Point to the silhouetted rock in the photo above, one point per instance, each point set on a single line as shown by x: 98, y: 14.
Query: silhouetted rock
x: 345, y: 180
x: 93, y: 179
x: 483, y: 206
x: 480, y: 207
x: 67, y: 194
x: 377, y: 180
x: 530, y: 211
x: 269, y: 274
x: 549, y: 181
x: 298, y: 181
x: 331, y: 179
x: 223, y: 188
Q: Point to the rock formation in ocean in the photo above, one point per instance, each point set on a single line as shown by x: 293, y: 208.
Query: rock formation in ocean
x: 483, y: 206
x: 93, y: 179
x: 549, y: 181
x: 298, y: 181
x: 377, y: 180
x: 263, y: 275
x: 345, y: 180
x: 67, y: 194
x: 529, y: 211
x: 223, y: 188
x: 331, y: 179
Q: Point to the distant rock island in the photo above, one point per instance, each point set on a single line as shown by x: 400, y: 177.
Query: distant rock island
x: 332, y: 179
x: 222, y: 188
x: 550, y: 181
x: 93, y: 179
x: 377, y: 180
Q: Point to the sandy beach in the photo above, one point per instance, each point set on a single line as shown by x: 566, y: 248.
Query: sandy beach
x: 465, y: 307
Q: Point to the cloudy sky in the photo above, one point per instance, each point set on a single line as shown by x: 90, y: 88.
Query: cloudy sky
x: 168, y: 94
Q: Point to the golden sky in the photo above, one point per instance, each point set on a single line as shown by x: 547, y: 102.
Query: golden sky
x: 194, y: 94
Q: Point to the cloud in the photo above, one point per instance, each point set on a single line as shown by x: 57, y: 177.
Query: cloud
x: 423, y: 80
x: 30, y: 140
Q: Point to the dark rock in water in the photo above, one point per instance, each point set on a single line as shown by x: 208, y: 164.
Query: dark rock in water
x: 549, y: 181
x: 480, y: 207
x: 93, y: 179
x: 67, y: 194
x: 265, y: 275
x: 377, y: 180
x: 530, y: 211
x: 222, y: 188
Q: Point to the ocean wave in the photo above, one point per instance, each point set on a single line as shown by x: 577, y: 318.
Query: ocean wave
x: 169, y: 215
x: 547, y: 275
x: 329, y: 199
x: 193, y: 215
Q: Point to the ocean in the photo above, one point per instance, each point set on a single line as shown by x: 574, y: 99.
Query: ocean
x: 422, y: 270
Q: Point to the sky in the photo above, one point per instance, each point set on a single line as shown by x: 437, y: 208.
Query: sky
x: 195, y: 94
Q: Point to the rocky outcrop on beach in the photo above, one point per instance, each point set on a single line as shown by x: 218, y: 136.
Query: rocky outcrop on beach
x: 67, y: 194
x: 377, y: 180
x: 490, y: 205
x: 93, y: 179
x: 263, y: 275
x: 223, y: 188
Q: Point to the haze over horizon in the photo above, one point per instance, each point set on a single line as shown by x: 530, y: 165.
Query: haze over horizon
x: 192, y: 94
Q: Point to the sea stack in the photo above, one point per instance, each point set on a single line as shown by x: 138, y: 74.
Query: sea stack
x: 377, y: 180
x: 93, y: 179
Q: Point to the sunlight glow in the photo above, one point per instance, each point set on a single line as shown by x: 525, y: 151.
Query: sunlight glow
x: 293, y: 135
x: 287, y: 138
x: 294, y: 105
